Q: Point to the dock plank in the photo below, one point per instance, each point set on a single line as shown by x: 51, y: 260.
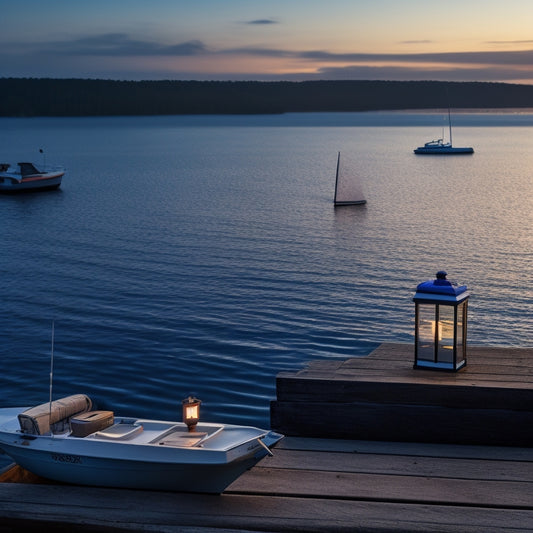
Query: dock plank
x: 470, y: 478
x: 387, y: 488
x: 327, y: 445
x: 312, y: 485
x: 414, y: 465
x: 84, y: 509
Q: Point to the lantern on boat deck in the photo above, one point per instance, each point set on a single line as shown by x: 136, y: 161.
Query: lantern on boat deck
x: 191, y: 412
x: 440, y: 324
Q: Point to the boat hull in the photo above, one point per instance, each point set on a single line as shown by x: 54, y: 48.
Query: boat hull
x: 77, y: 469
x: 11, y: 182
x: 358, y: 202
x: 44, y: 182
x: 443, y: 151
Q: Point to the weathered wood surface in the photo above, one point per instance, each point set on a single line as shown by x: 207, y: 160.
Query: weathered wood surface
x: 312, y: 485
x: 381, y: 396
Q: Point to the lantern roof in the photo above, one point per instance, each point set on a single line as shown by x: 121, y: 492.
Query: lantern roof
x: 441, y: 288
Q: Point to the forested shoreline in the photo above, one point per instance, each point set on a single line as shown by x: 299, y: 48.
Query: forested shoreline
x: 31, y: 97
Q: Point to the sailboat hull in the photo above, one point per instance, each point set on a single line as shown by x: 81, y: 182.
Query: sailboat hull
x: 443, y: 150
x: 358, y: 202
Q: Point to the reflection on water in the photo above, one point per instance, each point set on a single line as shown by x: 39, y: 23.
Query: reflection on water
x: 203, y: 255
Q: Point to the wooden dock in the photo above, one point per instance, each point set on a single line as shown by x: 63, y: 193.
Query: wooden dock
x: 382, y: 397
x: 382, y: 485
x: 310, y: 485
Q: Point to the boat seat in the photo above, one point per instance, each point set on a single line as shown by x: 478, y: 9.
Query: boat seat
x: 90, y: 422
x: 119, y: 432
x: 182, y: 440
x: 54, y: 417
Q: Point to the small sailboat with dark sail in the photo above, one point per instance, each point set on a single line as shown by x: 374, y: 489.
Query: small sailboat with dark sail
x: 347, y: 187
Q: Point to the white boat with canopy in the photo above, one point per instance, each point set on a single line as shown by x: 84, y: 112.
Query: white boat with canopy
x: 27, y: 177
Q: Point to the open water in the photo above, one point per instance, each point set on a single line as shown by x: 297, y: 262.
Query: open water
x: 203, y: 255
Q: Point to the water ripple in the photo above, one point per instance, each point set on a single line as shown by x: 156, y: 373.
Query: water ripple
x: 195, y: 257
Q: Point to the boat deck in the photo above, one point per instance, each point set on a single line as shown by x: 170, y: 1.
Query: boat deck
x: 312, y: 485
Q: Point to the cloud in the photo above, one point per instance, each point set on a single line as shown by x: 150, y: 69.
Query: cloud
x: 410, y: 73
x: 92, y: 54
x: 529, y: 41
x: 423, y: 41
x: 260, y: 22
x: 259, y: 52
x: 523, y: 57
x: 120, y: 44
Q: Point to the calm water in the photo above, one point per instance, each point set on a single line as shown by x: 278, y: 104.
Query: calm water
x: 203, y: 255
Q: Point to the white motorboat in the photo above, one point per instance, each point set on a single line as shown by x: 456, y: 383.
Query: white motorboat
x: 27, y: 177
x: 65, y: 440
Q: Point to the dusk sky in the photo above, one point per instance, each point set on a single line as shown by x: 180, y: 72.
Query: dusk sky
x: 452, y: 40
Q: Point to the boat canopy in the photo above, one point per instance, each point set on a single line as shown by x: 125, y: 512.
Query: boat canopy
x: 28, y: 169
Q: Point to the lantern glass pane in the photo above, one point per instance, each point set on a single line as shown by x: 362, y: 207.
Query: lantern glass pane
x: 426, y: 332
x: 461, y: 316
x: 446, y: 333
x: 191, y: 412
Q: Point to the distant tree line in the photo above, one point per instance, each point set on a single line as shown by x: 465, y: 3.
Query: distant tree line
x: 30, y: 97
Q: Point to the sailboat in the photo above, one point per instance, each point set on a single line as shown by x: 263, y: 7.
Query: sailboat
x: 347, y: 187
x: 439, y: 147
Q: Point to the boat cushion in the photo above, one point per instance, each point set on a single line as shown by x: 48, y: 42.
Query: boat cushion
x: 86, y: 423
x: 42, y: 418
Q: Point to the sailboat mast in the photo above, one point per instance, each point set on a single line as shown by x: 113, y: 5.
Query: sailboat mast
x: 337, y: 177
x: 450, y: 125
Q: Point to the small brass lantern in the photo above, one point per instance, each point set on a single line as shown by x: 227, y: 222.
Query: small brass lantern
x: 191, y: 412
x: 440, y: 324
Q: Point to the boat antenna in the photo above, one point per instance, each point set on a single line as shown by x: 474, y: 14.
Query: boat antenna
x: 51, y: 378
x: 44, y: 157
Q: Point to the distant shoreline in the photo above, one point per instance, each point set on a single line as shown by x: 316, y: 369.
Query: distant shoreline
x: 32, y: 97
x: 480, y: 111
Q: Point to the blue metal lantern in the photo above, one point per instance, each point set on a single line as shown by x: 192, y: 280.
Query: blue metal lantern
x: 440, y: 324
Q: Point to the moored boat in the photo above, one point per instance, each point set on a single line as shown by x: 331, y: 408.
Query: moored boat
x: 439, y: 147
x: 348, y: 189
x: 27, y: 177
x: 65, y: 440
